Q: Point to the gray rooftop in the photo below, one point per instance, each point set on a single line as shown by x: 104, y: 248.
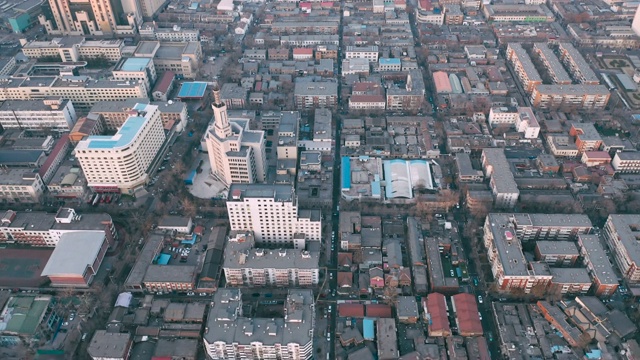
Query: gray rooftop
x: 29, y: 105
x: 109, y: 345
x: 570, y: 275
x: 500, y: 170
x: 554, y: 66
x: 574, y: 89
x: 171, y: 221
x: 628, y: 155
x: 557, y: 248
x: 387, y: 339
x: 554, y: 220
x: 277, y: 192
x: 508, y: 245
x: 74, y: 253
x: 242, y: 255
x: 595, y: 255
x: 407, y: 306
x: 463, y: 161
x: 233, y: 91
x: 320, y: 88
x: 588, y: 131
x: 322, y: 125
x: 525, y: 62
x: 227, y: 325
x: 177, y: 348
x: 170, y: 273
x: 579, y: 61
x: 626, y: 229
x: 149, y: 251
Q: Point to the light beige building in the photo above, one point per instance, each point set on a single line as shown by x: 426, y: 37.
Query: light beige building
x: 182, y: 58
x: 523, y: 66
x: 74, y: 48
x: 19, y: 185
x: 621, y: 233
x: 236, y: 153
x: 136, y: 69
x: 54, y: 114
x: 271, y: 213
x: 503, y: 185
x: 119, y: 163
x: 115, y: 113
x: 626, y: 162
x: 585, y: 97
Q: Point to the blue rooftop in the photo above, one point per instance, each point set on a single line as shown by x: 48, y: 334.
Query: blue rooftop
x: 135, y: 64
x: 369, y: 329
x: 194, y: 89
x: 389, y: 61
x: 123, y: 137
x: 346, y: 173
x: 194, y: 6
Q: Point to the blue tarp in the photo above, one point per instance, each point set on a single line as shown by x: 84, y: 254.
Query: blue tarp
x: 190, y: 242
x: 163, y: 259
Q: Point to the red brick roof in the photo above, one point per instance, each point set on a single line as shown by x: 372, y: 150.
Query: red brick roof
x: 61, y: 144
x: 345, y: 279
x: 379, y: 311
x: 165, y: 81
x: 302, y: 51
x: 366, y: 98
x: 436, y: 305
x: 466, y: 312
x: 351, y: 310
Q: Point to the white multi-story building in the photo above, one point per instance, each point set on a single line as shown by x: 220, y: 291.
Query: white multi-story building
x: 74, y: 48
x: 367, y: 102
x: 136, y: 69
x: 81, y: 90
x: 621, y: 233
x: 54, y: 114
x: 150, y: 31
x: 88, y: 17
x: 19, y: 185
x: 626, y: 162
x: 120, y: 162
x: 370, y: 53
x: 246, y: 265
x: 230, y: 335
x: 236, y: 153
x: 271, y: 213
x: 503, y: 185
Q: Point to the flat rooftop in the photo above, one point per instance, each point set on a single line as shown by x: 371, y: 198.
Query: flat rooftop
x: 135, y: 64
x: 557, y: 248
x: 124, y: 137
x: 500, y: 170
x: 508, y: 245
x: 74, y: 253
x: 597, y: 257
x: 277, y: 192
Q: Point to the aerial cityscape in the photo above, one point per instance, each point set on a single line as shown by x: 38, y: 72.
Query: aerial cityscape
x: 339, y: 180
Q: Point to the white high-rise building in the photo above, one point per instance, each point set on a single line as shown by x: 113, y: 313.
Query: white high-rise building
x: 236, y: 153
x: 635, y: 25
x: 271, y: 212
x: 120, y: 162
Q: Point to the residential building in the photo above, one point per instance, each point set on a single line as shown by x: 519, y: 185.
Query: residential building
x: 626, y: 162
x: 621, y: 233
x: 558, y: 320
x: 387, y: 339
x: 76, y: 259
x: 453, y: 14
x: 522, y: 118
x: 107, y: 345
x: 251, y: 266
x: 523, y: 67
x: 577, y: 65
x: 74, y: 48
x: 466, y: 172
x: 236, y: 153
x: 356, y: 66
x: 82, y: 91
x: 231, y: 335
x: 587, y: 97
x: 183, y: 58
x: 436, y: 315
x: 271, y: 212
x: 43, y: 229
x: 595, y: 158
x: 149, y: 30
x: 302, y: 54
x: 587, y: 137
x: 389, y: 64
x: 572, y: 281
x: 467, y: 315
x: 503, y: 185
x: 315, y: 94
x: 407, y: 309
x: 557, y: 253
x: 370, y: 53
x: 120, y: 163
x: 367, y: 102
x: 517, y: 13
x: 410, y: 97
x: 605, y: 281
x: 554, y: 68
x: 52, y: 114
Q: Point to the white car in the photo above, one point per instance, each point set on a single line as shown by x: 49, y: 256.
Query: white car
x: 480, y: 299
x: 190, y: 293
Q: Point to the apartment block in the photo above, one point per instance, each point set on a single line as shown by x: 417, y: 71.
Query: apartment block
x: 555, y: 69
x: 570, y: 281
x: 231, y: 335
x: 587, y: 137
x: 315, y: 94
x: 74, y: 48
x: 517, y: 13
x: 466, y: 172
x: 621, y: 233
x: 626, y: 162
x: 370, y: 53
x: 577, y: 65
x: 88, y: 17
x: 605, y: 281
x: 587, y: 97
x: 410, y: 97
x: 120, y: 163
x: 503, y: 185
x: 367, y: 102
x: 45, y: 229
x: 271, y: 212
x: 557, y: 253
x: 251, y: 266
x: 523, y: 66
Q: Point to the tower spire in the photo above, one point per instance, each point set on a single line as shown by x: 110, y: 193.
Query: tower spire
x: 221, y: 120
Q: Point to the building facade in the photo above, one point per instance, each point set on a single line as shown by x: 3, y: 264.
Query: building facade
x: 621, y: 233
x: 53, y: 114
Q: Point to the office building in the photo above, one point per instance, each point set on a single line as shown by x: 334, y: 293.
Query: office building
x: 271, y: 213
x: 19, y: 185
x: 149, y: 30
x: 120, y: 163
x: 466, y: 172
x: 635, y: 24
x: 248, y: 265
x: 594, y: 257
x: 503, y: 185
x: 183, y: 58
x: 621, y: 233
x: 82, y: 91
x: 362, y: 52
x: 626, y: 162
x: 44, y: 229
x: 236, y: 153
x: 315, y: 94
x: 51, y: 114
x: 231, y: 335
x: 523, y: 67
x: 74, y: 48
x: 136, y: 69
